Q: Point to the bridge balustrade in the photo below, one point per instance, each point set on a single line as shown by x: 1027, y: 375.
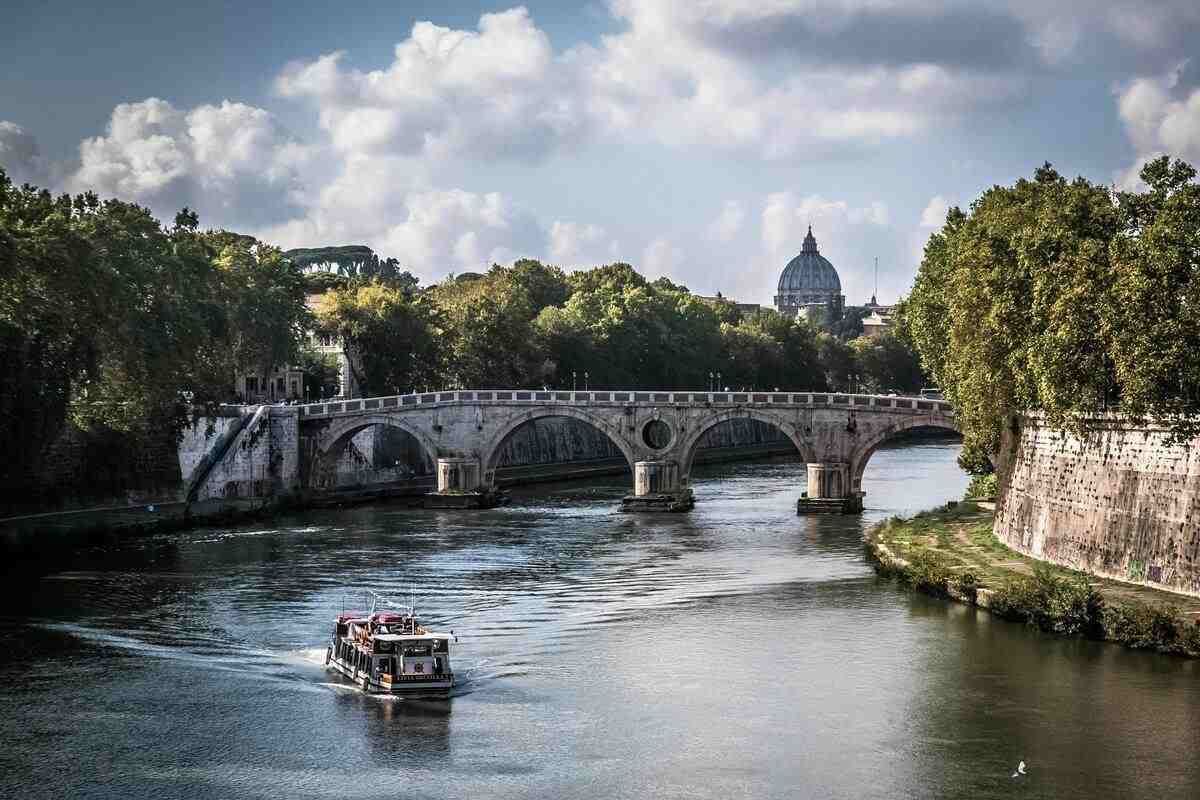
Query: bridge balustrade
x: 536, y: 397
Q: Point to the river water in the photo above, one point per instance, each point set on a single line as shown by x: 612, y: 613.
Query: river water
x: 736, y: 651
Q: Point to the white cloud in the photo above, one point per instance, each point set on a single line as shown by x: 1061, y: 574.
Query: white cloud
x: 1159, y: 119
x: 494, y: 92
x: 20, y: 156
x: 785, y: 217
x: 231, y: 162
x: 575, y: 244
x: 729, y: 222
x: 934, y: 215
x: 661, y: 258
x: 459, y: 230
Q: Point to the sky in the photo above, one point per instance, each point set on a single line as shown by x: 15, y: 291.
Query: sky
x: 694, y: 139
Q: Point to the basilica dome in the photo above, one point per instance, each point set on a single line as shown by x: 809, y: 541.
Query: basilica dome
x: 809, y: 285
x: 809, y: 272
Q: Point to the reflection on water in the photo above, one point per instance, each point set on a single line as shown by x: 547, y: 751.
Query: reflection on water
x: 738, y: 650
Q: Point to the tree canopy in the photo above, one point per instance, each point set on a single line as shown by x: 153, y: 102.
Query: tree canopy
x: 1065, y: 298
x: 110, y: 319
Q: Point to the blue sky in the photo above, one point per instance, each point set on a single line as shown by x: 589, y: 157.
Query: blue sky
x: 693, y: 138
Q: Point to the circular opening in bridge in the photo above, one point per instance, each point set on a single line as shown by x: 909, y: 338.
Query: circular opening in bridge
x: 656, y: 434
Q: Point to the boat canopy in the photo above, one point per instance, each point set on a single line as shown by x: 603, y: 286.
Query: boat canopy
x: 402, y: 637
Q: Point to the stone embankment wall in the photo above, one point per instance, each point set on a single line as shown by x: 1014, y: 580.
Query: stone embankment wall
x: 100, y: 468
x: 1122, y: 502
x: 254, y: 456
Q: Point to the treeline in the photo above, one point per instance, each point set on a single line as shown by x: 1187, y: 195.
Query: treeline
x: 110, y: 320
x: 533, y: 325
x: 1066, y: 298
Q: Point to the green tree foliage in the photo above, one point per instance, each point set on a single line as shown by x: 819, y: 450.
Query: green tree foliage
x: 1153, y: 320
x: 264, y: 298
x: 391, y: 339
x: 1064, y: 297
x: 489, y: 335
x: 765, y: 350
x: 837, y: 362
x: 113, y: 322
x: 320, y: 372
x: 886, y: 363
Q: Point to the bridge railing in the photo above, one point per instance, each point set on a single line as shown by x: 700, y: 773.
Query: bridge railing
x: 622, y: 397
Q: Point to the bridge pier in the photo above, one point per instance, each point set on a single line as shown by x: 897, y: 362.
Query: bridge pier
x: 829, y: 491
x: 657, y: 487
x: 460, y: 484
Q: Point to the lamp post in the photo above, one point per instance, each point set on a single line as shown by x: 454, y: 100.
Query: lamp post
x: 710, y: 381
x: 574, y: 382
x: 585, y: 381
x: 719, y: 389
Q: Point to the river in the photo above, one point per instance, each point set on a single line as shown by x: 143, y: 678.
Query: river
x: 736, y: 651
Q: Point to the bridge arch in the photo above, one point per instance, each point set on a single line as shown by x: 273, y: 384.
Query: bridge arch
x: 335, y: 438
x: 492, y: 449
x: 865, y: 449
x: 691, y: 441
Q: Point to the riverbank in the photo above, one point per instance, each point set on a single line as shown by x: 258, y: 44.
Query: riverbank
x: 952, y: 553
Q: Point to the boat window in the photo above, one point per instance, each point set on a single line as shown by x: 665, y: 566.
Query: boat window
x: 416, y: 650
x: 441, y: 645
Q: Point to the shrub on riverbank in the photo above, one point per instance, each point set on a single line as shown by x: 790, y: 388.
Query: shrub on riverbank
x: 981, y: 487
x: 950, y: 552
x: 1066, y: 605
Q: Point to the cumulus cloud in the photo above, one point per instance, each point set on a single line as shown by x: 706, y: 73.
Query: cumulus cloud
x: 462, y: 229
x: 493, y: 92
x: 231, y: 162
x: 20, y: 156
x: 1159, y: 118
x: 576, y: 244
x: 729, y: 222
x: 934, y: 215
x: 661, y: 258
x: 785, y: 218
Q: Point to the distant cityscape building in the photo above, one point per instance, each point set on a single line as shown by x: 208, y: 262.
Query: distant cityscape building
x: 745, y: 309
x: 879, y: 317
x: 809, y: 286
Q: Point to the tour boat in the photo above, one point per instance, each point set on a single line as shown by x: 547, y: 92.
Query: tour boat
x: 388, y: 652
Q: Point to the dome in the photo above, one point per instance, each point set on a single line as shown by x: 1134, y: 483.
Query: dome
x: 810, y: 271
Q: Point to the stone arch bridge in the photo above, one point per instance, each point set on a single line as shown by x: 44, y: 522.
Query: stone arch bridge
x: 657, y: 431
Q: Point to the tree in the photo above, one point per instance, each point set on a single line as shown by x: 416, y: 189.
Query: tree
x: 837, y: 362
x: 1154, y: 327
x: 887, y: 364
x: 391, y: 341
x: 543, y: 285
x: 320, y: 372
x: 264, y: 295
x: 489, y: 335
x: 1052, y: 296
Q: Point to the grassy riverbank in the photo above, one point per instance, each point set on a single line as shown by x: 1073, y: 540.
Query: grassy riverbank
x: 951, y: 552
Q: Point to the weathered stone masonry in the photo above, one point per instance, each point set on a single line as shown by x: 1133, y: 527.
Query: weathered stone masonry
x: 1124, y: 502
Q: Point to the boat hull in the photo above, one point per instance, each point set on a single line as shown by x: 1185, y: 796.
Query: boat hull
x: 405, y: 687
